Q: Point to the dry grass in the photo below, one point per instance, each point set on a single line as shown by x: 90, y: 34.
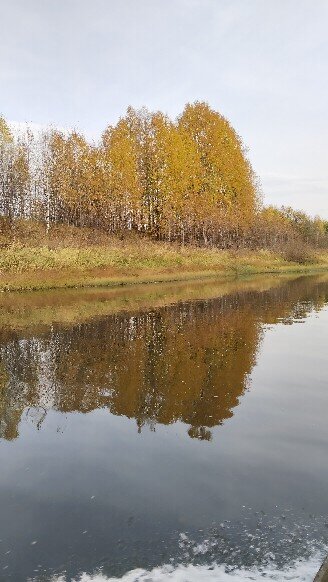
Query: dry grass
x: 31, y: 258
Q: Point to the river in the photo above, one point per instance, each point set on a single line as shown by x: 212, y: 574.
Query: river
x: 165, y: 432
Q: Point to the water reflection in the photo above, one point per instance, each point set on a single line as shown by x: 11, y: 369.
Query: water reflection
x: 189, y: 362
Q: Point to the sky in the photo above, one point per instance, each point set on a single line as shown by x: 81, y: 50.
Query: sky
x: 261, y: 63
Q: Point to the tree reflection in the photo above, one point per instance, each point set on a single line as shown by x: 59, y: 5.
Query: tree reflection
x: 189, y: 362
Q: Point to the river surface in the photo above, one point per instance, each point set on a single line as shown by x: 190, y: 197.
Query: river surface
x: 145, y: 441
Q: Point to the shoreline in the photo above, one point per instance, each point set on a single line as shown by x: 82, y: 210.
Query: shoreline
x: 37, y: 280
x: 226, y: 266
x: 71, y: 257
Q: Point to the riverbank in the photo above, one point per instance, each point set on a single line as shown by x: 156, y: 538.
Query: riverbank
x: 133, y: 262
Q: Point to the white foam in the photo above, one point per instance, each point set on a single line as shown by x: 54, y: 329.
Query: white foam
x: 300, y: 571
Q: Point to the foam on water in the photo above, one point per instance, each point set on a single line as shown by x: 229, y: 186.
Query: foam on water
x: 300, y: 571
x: 280, y: 547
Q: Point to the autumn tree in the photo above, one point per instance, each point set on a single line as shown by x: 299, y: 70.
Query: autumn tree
x: 123, y: 187
x: 75, y: 176
x: 14, y: 173
x: 176, y: 172
x: 228, y: 184
x: 187, y: 180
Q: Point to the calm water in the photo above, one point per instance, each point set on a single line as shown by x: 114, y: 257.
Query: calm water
x: 188, y: 440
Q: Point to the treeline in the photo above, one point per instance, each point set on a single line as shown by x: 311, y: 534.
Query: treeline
x: 187, y: 181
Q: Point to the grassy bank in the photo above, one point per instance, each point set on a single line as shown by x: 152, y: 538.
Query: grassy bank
x: 30, y: 268
x: 69, y: 257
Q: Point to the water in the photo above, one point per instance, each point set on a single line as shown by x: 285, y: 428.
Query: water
x: 144, y: 441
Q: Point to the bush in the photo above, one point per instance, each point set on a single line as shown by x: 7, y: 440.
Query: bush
x: 296, y: 251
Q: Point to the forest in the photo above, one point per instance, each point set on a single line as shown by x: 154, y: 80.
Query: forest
x: 186, y: 181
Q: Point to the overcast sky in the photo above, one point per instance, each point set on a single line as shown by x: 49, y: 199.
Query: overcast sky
x: 262, y: 63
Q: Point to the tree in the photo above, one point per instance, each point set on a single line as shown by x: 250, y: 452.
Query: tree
x: 228, y: 184
x: 14, y: 173
x: 123, y: 192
